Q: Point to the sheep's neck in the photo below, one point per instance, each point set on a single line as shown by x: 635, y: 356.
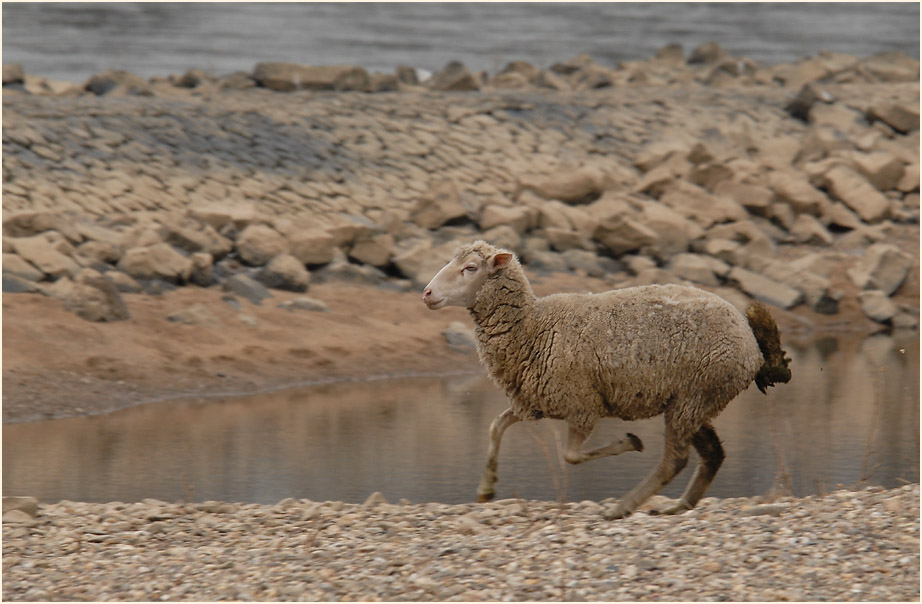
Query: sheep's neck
x: 502, y: 303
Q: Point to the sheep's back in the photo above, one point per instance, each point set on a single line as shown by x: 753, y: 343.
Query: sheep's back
x: 647, y: 349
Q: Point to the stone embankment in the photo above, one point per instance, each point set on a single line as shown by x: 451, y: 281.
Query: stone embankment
x: 794, y: 184
x: 847, y: 545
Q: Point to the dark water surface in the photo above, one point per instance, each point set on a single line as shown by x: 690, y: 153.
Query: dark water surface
x: 72, y: 41
x: 851, y: 414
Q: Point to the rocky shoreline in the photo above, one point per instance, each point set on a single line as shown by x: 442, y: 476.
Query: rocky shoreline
x: 846, y: 546
x: 797, y: 185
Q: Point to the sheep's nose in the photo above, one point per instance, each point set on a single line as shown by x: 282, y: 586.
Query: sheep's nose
x: 427, y: 293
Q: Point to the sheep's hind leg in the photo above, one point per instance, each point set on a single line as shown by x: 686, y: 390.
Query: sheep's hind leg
x: 675, y: 456
x: 576, y: 438
x: 485, y: 488
x: 711, y: 453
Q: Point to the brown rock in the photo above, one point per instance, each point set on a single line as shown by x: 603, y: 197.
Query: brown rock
x: 548, y: 79
x: 877, y: 306
x: 882, y: 169
x: 116, y: 82
x: 203, y: 239
x: 704, y: 208
x: 455, y: 76
x: 158, y: 261
x: 285, y: 272
x: 45, y: 253
x: 795, y: 190
x: 674, y: 232
x: 312, y: 246
x: 569, y: 184
x: 29, y: 223
x: 893, y: 66
x: 15, y: 265
x: 384, y: 82
x: 850, y: 188
x: 807, y: 229
x: 883, y: 267
x: 903, y: 118
x: 706, y: 54
x: 621, y: 234
x: 96, y: 298
x: 407, y: 75
x: 220, y: 214
x: 837, y: 214
x: 518, y: 218
x: 12, y: 74
x: 756, y: 199
x: 376, y: 250
x: 285, y: 77
x: 523, y: 68
x: 563, y: 239
x: 764, y: 289
x: 440, y: 205
x: 258, y: 244
x: 510, y: 80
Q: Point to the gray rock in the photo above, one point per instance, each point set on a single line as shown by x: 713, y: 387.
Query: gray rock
x: 17, y: 285
x: 305, y: 303
x: 197, y: 314
x: 883, y: 267
x: 246, y: 287
x: 460, y: 337
x: 877, y: 305
x: 764, y: 289
x: 695, y: 268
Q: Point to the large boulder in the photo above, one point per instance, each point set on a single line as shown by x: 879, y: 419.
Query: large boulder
x: 569, y: 184
x: 258, y: 244
x: 857, y: 193
x: 764, y: 289
x: 877, y: 305
x: 454, y: 77
x: 884, y: 267
x: 203, y: 239
x: 674, y: 232
x: 285, y: 272
x: 376, y: 250
x: 286, y: 77
x: 622, y: 233
x: 796, y: 191
x: 440, y: 205
x: 15, y: 265
x: 903, y: 118
x: 518, y: 218
x: 48, y: 252
x: 158, y: 261
x: 312, y: 246
x: 116, y: 82
x: 704, y: 208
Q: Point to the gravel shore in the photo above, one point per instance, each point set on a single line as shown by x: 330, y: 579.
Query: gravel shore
x: 847, y: 545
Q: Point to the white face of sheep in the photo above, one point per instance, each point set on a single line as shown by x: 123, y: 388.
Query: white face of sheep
x: 459, y: 281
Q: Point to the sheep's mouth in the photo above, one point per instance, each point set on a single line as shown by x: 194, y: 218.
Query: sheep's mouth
x: 434, y: 304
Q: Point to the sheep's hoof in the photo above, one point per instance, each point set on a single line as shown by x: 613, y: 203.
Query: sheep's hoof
x: 635, y: 442
x: 485, y: 497
x: 679, y: 508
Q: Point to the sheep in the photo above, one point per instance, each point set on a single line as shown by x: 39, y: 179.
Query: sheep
x: 631, y: 353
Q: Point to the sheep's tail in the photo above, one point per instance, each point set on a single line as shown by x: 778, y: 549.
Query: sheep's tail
x: 775, y: 368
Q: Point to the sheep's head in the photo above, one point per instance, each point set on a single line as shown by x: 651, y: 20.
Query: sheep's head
x: 459, y: 281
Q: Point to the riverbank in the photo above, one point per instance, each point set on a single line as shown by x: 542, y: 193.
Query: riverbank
x: 153, y: 227
x: 844, y: 546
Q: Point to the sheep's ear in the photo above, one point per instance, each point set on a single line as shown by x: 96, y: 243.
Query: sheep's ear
x: 499, y: 261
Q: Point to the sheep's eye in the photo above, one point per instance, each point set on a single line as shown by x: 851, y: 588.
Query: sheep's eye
x: 470, y: 268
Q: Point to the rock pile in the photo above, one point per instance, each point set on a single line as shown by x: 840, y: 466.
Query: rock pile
x: 791, y: 184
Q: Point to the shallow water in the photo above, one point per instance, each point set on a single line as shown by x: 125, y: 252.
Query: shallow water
x: 72, y: 41
x: 851, y: 414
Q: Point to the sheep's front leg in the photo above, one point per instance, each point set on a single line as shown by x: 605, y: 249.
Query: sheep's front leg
x: 576, y: 438
x: 485, y: 488
x: 675, y: 456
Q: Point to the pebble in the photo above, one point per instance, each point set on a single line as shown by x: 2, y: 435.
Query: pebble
x: 730, y: 549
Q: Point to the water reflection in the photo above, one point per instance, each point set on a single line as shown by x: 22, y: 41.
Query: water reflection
x: 851, y: 414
